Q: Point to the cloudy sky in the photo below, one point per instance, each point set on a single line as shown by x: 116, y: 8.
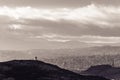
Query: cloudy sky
x: 53, y: 24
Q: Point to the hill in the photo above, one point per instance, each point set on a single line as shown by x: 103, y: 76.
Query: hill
x: 37, y: 70
x: 78, y: 63
x: 98, y: 55
x: 72, y: 59
x: 103, y: 70
x: 55, y: 53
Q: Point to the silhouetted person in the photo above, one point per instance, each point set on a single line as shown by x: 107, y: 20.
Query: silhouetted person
x: 35, y: 57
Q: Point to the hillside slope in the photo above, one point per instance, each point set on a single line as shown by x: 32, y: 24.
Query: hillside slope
x: 103, y: 70
x: 37, y: 70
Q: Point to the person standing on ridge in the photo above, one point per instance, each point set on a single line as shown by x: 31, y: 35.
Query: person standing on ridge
x: 35, y: 57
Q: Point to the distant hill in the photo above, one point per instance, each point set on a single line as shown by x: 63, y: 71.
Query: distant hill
x: 78, y: 63
x: 37, y: 70
x: 56, y: 53
x: 103, y: 70
x: 80, y: 59
x: 88, y: 51
x: 72, y: 59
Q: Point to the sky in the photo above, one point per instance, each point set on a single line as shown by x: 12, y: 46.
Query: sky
x: 56, y: 24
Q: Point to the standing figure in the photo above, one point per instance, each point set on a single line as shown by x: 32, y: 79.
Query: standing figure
x: 35, y: 57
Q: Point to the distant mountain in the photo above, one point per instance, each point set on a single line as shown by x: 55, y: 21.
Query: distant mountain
x: 56, y: 53
x: 71, y: 59
x: 103, y: 70
x: 79, y: 59
x: 68, y: 52
x: 37, y: 70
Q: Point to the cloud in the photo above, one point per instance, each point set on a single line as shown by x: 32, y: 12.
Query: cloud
x: 58, y: 40
x: 15, y: 27
x: 100, y: 39
x: 99, y: 15
x: 92, y: 24
x: 45, y: 3
x: 97, y: 20
x: 57, y: 3
x: 64, y: 27
x: 90, y: 39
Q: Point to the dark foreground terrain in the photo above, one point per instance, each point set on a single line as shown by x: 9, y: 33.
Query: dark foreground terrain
x: 37, y: 70
x: 104, y: 70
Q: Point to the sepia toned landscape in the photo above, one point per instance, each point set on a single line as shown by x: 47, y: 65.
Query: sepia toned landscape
x: 59, y: 39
